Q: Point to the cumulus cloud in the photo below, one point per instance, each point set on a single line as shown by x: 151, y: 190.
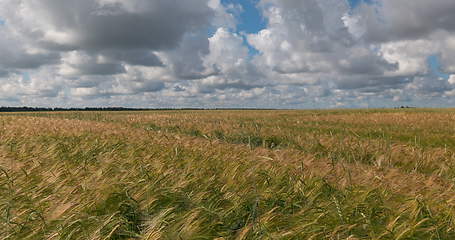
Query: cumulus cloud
x: 88, y: 39
x: 16, y: 54
x: 311, y: 53
x: 309, y: 41
x: 374, y: 48
x: 77, y: 63
x: 392, y: 20
x: 230, y: 57
x: 452, y: 80
x: 106, y: 24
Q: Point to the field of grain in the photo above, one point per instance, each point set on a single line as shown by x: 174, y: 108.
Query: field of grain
x: 338, y: 174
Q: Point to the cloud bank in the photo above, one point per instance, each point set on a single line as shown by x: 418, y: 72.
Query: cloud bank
x: 166, y: 53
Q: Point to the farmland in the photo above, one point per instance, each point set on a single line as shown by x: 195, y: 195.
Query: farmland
x: 332, y: 174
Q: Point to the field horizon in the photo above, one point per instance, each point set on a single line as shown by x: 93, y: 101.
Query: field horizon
x: 31, y: 109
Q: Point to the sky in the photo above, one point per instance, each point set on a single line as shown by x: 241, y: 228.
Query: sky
x: 293, y: 54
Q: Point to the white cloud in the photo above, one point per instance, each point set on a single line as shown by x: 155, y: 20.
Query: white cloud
x: 452, y: 79
x: 190, y: 53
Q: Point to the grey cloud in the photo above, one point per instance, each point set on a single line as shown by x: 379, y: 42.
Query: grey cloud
x: 223, y: 84
x: 447, y: 55
x: 22, y: 60
x: 80, y: 63
x: 91, y: 68
x: 178, y: 88
x: 391, y: 20
x: 312, y: 37
x: 430, y: 85
x: 371, y: 84
x: 3, y: 73
x: 121, y: 31
x: 196, y: 75
x: 86, y: 81
x: 326, y: 40
x: 369, y: 64
x: 48, y: 93
x: 13, y: 54
x: 188, y: 59
x: 147, y: 86
x: 291, y: 69
x: 312, y: 52
x: 319, y: 21
x: 136, y: 57
x: 10, y: 99
x: 94, y: 24
x: 94, y: 39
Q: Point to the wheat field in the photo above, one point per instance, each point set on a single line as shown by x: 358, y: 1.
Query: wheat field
x: 228, y: 174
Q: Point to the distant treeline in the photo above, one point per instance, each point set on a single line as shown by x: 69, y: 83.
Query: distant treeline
x: 404, y: 107
x: 42, y: 109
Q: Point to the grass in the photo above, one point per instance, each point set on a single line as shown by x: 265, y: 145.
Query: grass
x: 228, y: 175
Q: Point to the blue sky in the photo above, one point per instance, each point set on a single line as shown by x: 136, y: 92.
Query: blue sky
x: 435, y: 66
x: 355, y: 3
x: 251, y: 19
